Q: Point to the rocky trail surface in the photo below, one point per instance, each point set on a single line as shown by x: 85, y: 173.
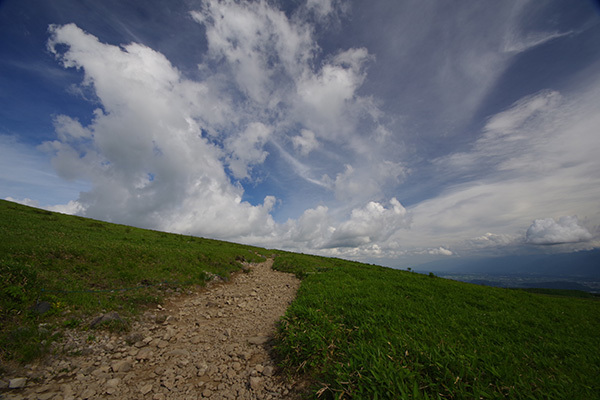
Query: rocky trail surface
x: 214, y: 344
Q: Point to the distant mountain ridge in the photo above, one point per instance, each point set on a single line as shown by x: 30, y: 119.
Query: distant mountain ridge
x: 582, y: 264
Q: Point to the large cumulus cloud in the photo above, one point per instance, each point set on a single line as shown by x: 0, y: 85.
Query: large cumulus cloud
x: 550, y: 231
x: 168, y: 152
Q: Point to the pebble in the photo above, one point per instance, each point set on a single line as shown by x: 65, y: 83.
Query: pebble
x: 17, y: 383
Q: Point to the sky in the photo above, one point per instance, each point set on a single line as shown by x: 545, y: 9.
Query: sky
x: 394, y: 132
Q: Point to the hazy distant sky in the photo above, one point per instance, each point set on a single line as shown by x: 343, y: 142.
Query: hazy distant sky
x: 388, y: 131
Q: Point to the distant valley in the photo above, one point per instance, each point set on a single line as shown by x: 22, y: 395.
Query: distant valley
x: 569, y: 271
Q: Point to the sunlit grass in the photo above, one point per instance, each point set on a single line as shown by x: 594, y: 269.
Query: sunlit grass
x: 366, y: 332
x: 357, y: 331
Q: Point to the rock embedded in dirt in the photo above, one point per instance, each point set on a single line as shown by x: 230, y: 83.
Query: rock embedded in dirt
x: 104, y: 318
x: 17, y: 383
x: 258, y: 340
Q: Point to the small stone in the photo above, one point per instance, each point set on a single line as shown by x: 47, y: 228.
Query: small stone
x: 88, y: 393
x: 196, y: 339
x: 236, y: 366
x: 144, y: 354
x: 101, y: 319
x: 17, y: 383
x: 112, y: 383
x: 134, y: 338
x: 88, y: 370
x: 256, y: 382
x: 178, y: 352
x: 207, y: 393
x: 121, y: 366
x: 268, y: 371
x: 258, y: 340
x: 146, y: 389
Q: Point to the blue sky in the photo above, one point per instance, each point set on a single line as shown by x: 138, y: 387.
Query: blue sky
x: 393, y: 132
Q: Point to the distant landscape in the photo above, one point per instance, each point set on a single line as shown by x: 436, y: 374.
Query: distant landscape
x: 568, y: 271
x: 355, y: 331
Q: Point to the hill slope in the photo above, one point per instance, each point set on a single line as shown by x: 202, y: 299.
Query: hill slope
x: 358, y: 331
x: 370, y: 332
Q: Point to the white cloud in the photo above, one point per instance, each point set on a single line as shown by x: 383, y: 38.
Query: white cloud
x: 257, y: 42
x: 517, y: 41
x: 321, y: 7
x: 159, y: 148
x: 26, y: 201
x: 305, y: 142
x: 326, y: 100
x: 72, y: 207
x: 492, y: 240
x: 311, y: 230
x: 26, y: 173
x: 440, y: 251
x: 247, y: 149
x: 359, y: 234
x: 275, y: 66
x: 357, y: 185
x: 551, y: 231
x: 539, y: 157
x: 148, y: 160
x: 370, y: 224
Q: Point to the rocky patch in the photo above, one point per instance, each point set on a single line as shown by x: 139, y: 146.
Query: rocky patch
x: 213, y: 344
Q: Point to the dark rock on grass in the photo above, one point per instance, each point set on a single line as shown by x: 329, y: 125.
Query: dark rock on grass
x: 41, y: 307
x: 105, y: 318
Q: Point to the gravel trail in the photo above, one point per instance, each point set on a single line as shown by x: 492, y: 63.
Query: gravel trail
x: 214, y: 344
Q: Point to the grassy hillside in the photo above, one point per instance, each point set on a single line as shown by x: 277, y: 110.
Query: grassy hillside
x: 367, y: 332
x: 358, y: 331
x: 82, y: 266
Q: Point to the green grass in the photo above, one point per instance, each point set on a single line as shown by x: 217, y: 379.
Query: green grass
x: 367, y: 332
x: 357, y: 331
x: 83, y: 267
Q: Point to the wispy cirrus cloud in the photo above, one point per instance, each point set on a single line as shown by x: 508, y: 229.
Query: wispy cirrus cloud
x: 533, y: 160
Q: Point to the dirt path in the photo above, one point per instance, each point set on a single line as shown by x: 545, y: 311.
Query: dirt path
x: 211, y: 344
